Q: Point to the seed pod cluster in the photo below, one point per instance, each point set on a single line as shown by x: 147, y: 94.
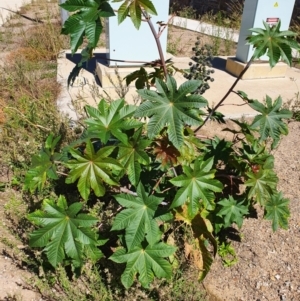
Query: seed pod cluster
x: 201, y: 67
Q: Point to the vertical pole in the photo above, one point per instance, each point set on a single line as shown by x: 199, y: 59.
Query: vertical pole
x: 63, y: 13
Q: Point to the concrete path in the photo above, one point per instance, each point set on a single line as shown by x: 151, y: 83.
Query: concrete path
x: 87, y: 90
x: 10, y: 4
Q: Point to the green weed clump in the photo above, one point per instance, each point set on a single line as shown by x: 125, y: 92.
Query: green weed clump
x: 294, y: 105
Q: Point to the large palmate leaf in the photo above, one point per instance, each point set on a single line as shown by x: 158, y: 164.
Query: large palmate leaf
x: 197, y: 186
x: 172, y: 108
x: 138, y: 219
x: 146, y: 261
x: 232, y: 211
x: 85, y: 21
x: 165, y: 151
x: 277, y: 210
x: 190, y: 149
x: 132, y: 154
x: 134, y: 8
x: 92, y: 169
x: 111, y: 119
x: 63, y: 232
x: 219, y: 149
x: 199, y: 252
x: 270, y: 121
x: 277, y: 44
x: 255, y: 154
x: 43, y: 166
x: 262, y: 185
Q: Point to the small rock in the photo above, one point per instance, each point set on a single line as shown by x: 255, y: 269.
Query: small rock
x: 277, y: 277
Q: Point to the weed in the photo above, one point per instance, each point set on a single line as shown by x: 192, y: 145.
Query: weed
x: 187, y: 12
x: 234, y: 13
x: 227, y: 254
x: 229, y: 44
x: 173, y: 45
x: 119, y: 86
x: 294, y: 104
x: 216, y: 38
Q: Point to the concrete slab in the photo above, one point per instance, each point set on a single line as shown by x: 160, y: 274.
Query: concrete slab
x: 88, y: 89
x: 256, y: 70
x: 12, y: 5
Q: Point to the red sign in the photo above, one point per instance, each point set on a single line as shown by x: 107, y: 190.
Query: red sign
x: 272, y: 21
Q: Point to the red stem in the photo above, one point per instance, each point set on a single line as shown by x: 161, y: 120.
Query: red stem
x: 226, y: 95
x: 160, y: 51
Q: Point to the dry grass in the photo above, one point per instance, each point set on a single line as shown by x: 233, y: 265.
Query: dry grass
x: 28, y: 85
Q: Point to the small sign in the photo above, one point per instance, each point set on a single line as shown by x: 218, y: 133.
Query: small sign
x: 272, y: 21
x: 276, y: 4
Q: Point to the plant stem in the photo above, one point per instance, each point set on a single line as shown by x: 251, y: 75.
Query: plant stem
x: 165, y: 25
x: 161, y: 55
x: 23, y: 16
x: 226, y: 95
x: 62, y: 173
x: 126, y: 190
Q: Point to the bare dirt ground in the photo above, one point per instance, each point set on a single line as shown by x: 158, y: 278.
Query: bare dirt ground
x: 269, y: 263
x: 181, y: 42
x: 12, y: 276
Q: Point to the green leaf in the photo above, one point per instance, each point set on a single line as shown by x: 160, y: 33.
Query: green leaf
x: 146, y: 261
x: 138, y: 220
x: 219, y: 149
x: 148, y: 6
x: 85, y: 21
x: 78, y: 28
x: 123, y: 11
x: 92, y: 252
x: 135, y: 14
x: 43, y: 166
x: 111, y: 119
x: 277, y: 210
x: 92, y: 169
x: 75, y: 5
x: 197, y: 186
x: 254, y: 153
x: 131, y: 155
x: 141, y: 77
x: 232, y: 211
x: 262, y: 185
x: 172, y: 108
x: 270, y: 121
x: 277, y: 44
x: 134, y: 9
x: 63, y: 232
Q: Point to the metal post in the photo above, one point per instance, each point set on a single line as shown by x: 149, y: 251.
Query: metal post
x: 257, y: 11
x: 63, y: 13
